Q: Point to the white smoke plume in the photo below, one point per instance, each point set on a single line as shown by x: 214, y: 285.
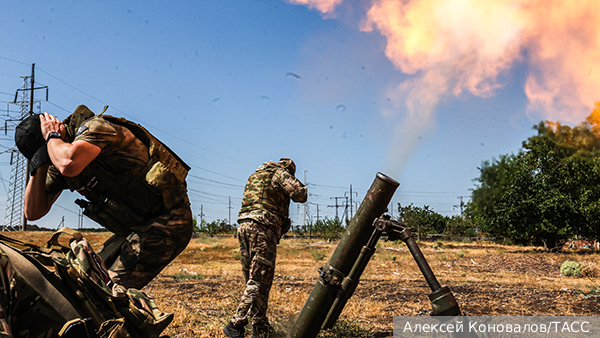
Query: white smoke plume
x: 456, y: 46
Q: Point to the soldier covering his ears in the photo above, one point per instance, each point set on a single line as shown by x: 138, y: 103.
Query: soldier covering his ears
x: 263, y: 219
x: 132, y: 184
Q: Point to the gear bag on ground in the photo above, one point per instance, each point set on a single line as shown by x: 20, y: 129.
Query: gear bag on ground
x: 65, y: 291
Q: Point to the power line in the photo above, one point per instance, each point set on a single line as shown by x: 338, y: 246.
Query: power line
x: 144, y: 123
x: 213, y: 181
x: 11, y: 60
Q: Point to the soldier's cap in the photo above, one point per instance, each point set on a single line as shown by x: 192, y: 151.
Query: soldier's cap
x: 31, y: 143
x: 287, y: 164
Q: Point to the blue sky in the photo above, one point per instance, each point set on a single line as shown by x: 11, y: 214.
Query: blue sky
x: 231, y: 84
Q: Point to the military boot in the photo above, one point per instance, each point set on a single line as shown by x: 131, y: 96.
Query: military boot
x: 262, y: 331
x: 234, y: 332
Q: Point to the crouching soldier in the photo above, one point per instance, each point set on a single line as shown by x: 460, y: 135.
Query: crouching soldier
x: 132, y: 184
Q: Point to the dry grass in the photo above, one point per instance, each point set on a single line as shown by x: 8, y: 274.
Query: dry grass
x: 203, y: 285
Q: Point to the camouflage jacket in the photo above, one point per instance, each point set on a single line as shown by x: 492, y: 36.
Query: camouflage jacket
x: 267, y: 195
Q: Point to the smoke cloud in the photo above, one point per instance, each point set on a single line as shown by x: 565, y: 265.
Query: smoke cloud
x: 456, y: 46
x: 323, y: 6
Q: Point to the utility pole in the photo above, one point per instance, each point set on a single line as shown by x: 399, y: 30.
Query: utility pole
x: 460, y: 205
x: 310, y: 234
x: 79, y: 219
x: 201, y: 217
x: 304, y: 213
x: 345, y: 213
x: 337, y: 205
x: 19, y: 176
x: 351, y: 203
x: 201, y: 214
x: 229, y: 210
x: 306, y: 204
x: 61, y: 224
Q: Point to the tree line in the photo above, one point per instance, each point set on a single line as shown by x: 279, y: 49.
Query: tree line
x: 545, y: 194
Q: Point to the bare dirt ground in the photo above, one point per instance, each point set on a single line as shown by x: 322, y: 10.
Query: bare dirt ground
x: 203, y: 285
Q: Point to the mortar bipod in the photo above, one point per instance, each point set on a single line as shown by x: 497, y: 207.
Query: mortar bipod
x: 442, y: 300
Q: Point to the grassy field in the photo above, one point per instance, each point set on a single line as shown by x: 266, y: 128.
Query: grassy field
x: 203, y: 285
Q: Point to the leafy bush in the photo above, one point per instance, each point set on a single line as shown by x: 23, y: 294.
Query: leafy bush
x: 220, y: 226
x: 548, y: 191
x: 328, y: 229
x: 423, y: 219
x: 458, y: 226
x: 186, y: 275
x: 570, y: 269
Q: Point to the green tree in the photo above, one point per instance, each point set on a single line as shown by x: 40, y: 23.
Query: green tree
x: 458, y: 226
x: 329, y: 228
x: 547, y: 192
x: 424, y: 220
x: 219, y: 226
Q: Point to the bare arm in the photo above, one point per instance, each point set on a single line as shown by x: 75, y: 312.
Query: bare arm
x: 69, y: 158
x: 37, y: 201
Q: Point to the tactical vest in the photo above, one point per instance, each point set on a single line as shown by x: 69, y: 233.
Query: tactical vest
x: 259, y: 194
x: 119, y: 202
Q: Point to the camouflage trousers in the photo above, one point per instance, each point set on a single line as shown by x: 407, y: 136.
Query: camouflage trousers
x: 139, y: 257
x: 258, y: 249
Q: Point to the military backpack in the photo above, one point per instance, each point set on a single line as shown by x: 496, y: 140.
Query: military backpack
x: 77, y: 294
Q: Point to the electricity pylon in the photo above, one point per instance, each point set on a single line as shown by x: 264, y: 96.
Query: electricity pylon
x: 14, y: 217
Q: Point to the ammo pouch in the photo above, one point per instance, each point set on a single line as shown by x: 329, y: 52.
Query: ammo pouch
x: 166, y: 172
x: 166, y: 184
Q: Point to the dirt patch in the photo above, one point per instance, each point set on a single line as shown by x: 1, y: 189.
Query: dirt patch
x: 517, y: 262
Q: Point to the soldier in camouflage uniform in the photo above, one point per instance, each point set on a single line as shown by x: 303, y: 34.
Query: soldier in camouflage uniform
x: 263, y: 219
x: 137, y: 198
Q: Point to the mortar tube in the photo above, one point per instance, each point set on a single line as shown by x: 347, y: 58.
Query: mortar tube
x: 351, y: 281
x: 313, y: 314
